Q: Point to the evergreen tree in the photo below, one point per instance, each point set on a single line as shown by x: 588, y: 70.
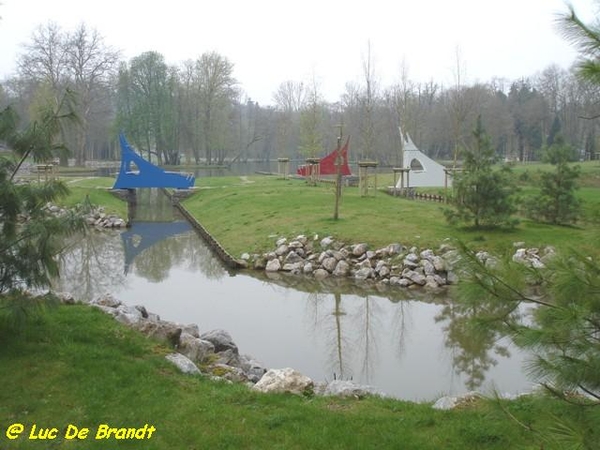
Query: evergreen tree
x: 556, y: 203
x: 553, y: 313
x: 30, y: 236
x: 482, y: 194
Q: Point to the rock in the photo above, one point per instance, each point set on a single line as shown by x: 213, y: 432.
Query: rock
x: 107, y: 300
x: 280, y: 242
x: 411, y: 261
x: 128, y: 315
x: 66, y: 298
x: 308, y: 268
x: 164, y: 331
x: 451, y: 277
x: 342, y: 269
x: 295, y: 245
x: 339, y: 255
x: 320, y: 274
x: 302, y: 238
x: 284, y: 380
x: 427, y: 254
x: 281, y: 250
x: 415, y: 277
x: 228, y: 357
x: 192, y: 329
x: 439, y: 264
x: 183, y: 363
x: 273, y: 265
x: 245, y: 257
x: 342, y: 388
x: 229, y: 373
x: 430, y: 282
x: 441, y: 281
x: 447, y: 402
x: 221, y: 339
x: 428, y: 267
x: 194, y: 348
x: 329, y: 264
x: 365, y: 263
x: 327, y: 242
x: 384, y: 271
x: 394, y: 249
x: 295, y: 268
x: 292, y: 258
x: 359, y: 249
x: 260, y: 263
x: 253, y: 369
x: 363, y: 273
x: 143, y: 311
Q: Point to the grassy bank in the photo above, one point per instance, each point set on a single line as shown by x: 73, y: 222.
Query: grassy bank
x: 246, y: 214
x: 96, y: 191
x: 78, y: 366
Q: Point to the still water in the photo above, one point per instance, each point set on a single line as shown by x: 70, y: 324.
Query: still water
x: 407, y: 344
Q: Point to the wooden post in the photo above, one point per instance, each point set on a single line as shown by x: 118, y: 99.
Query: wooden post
x: 313, y: 166
x: 401, y: 171
x: 338, y: 176
x: 283, y: 165
x: 363, y: 176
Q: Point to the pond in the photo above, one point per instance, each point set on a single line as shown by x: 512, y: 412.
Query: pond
x: 408, y: 344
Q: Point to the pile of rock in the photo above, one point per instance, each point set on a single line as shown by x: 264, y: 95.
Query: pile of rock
x: 96, y: 217
x: 99, y: 219
x: 394, y: 265
x: 215, y: 350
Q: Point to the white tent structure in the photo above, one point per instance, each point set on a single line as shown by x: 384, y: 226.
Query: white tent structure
x: 422, y: 170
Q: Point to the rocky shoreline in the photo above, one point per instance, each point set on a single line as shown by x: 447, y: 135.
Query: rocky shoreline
x: 393, y: 265
x: 215, y: 354
x: 95, y: 217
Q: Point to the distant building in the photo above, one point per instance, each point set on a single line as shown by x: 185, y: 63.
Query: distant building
x: 424, y: 171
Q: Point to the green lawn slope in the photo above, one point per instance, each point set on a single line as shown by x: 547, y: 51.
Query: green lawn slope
x: 77, y: 366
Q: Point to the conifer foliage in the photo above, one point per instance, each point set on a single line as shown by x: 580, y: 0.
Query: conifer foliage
x: 483, y: 195
x: 556, y: 203
x: 30, y: 236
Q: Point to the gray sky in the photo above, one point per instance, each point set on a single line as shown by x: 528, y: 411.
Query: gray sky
x: 271, y: 41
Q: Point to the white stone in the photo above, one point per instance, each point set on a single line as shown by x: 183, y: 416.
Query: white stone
x: 183, y: 363
x: 273, y: 265
x: 284, y: 380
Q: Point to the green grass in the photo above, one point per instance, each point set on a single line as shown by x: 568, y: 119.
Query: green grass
x: 96, y: 191
x: 78, y: 366
x: 246, y: 214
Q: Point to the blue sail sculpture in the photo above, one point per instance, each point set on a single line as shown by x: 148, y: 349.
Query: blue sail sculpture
x: 148, y: 175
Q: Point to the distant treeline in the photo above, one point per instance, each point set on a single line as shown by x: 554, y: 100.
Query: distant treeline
x: 196, y: 111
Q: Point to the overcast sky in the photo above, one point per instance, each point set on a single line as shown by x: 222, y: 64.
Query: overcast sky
x: 271, y: 41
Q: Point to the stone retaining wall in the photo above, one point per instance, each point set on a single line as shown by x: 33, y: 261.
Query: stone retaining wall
x: 214, y: 245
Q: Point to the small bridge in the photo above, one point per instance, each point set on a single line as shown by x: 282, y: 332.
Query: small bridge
x: 147, y: 174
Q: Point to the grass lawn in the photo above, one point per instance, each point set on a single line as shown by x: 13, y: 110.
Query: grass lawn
x: 246, y: 214
x: 78, y: 366
x: 96, y: 190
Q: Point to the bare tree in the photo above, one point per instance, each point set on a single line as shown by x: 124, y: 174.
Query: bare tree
x: 216, y: 89
x: 91, y: 67
x: 289, y: 100
x: 368, y: 103
x: 311, y: 119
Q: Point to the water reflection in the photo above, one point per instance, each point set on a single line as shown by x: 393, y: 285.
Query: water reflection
x: 473, y: 347
x: 409, y: 344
